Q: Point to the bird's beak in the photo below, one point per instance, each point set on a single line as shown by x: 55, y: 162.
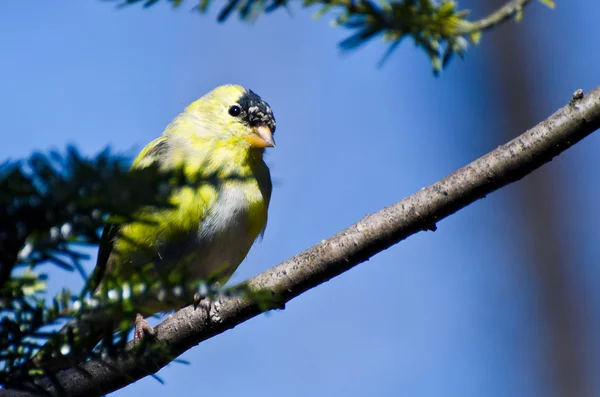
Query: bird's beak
x: 261, y: 138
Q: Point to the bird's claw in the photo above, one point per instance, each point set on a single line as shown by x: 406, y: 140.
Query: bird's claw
x: 142, y: 328
x: 204, y: 302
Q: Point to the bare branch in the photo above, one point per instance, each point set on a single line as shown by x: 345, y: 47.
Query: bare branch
x: 374, y: 233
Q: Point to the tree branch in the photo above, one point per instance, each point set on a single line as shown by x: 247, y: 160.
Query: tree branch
x: 438, y: 28
x: 374, y: 233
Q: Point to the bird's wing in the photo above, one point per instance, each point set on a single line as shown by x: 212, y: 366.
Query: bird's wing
x: 153, y: 152
x: 263, y: 176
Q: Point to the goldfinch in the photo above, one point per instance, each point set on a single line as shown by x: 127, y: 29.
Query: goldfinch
x: 220, y: 138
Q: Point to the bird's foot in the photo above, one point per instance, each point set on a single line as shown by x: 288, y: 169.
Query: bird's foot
x: 204, y: 302
x: 142, y: 328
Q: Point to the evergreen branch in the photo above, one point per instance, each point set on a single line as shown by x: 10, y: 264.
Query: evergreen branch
x: 50, y: 202
x: 440, y: 28
x: 47, y: 203
x: 348, y: 248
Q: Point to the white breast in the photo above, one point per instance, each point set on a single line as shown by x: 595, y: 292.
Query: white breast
x: 223, y: 237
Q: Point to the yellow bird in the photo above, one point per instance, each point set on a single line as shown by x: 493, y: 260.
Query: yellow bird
x: 220, y: 139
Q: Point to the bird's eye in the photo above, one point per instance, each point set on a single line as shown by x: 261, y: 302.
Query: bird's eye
x: 235, y: 110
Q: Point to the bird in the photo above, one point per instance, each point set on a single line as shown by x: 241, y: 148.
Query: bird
x: 219, y: 139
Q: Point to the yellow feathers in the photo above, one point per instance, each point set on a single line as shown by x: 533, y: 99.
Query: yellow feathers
x: 219, y: 141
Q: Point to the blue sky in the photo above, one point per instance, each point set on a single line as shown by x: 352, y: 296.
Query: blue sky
x: 448, y: 313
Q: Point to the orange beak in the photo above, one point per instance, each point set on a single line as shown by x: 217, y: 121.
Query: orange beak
x: 262, y: 138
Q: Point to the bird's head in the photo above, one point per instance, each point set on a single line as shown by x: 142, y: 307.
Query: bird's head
x: 233, y: 115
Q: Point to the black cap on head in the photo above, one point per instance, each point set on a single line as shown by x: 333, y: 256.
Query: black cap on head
x: 255, y: 112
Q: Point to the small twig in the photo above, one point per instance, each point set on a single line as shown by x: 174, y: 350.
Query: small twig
x: 502, y: 14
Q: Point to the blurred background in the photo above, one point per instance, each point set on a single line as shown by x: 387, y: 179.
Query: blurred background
x: 502, y: 300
